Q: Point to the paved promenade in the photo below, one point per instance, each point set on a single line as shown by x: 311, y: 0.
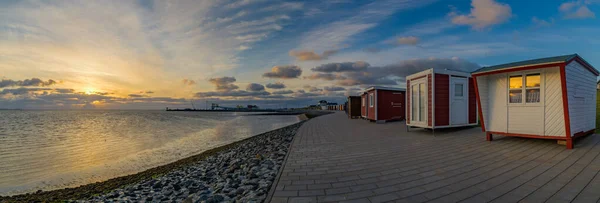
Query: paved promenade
x: 335, y: 159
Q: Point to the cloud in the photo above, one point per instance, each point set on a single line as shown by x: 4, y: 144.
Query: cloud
x: 241, y: 3
x: 333, y: 89
x: 130, y: 44
x: 394, y: 73
x: 342, y: 67
x: 538, y: 23
x: 277, y: 85
x: 283, y: 92
x: 429, y: 27
x: 576, y: 10
x: 368, y: 16
x: 372, y: 49
x: 235, y: 93
x: 135, y: 95
x: 149, y: 92
x: 484, y: 13
x: 224, y: 83
x: 312, y: 88
x: 26, y: 83
x: 188, y: 82
x: 311, y: 55
x: 284, y: 72
x: 324, y: 76
x: 254, y: 87
x: 22, y: 91
x: 411, y: 40
x: 62, y: 98
x: 66, y: 90
x: 304, y: 94
x: 284, y: 6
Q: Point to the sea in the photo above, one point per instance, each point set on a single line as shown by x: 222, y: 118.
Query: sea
x: 46, y: 150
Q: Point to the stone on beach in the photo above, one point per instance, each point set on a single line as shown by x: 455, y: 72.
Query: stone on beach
x: 242, y: 173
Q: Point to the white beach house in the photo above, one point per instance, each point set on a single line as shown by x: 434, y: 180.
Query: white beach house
x: 440, y: 98
x: 547, y: 98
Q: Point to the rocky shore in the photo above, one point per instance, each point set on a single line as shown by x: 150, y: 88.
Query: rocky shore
x: 239, y: 172
x: 243, y: 173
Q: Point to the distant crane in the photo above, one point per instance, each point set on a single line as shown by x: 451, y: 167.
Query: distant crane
x: 192, y: 102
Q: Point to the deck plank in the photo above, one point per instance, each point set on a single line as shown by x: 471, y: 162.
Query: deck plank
x: 336, y: 159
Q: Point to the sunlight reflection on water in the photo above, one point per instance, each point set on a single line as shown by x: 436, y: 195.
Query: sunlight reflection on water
x: 56, y: 149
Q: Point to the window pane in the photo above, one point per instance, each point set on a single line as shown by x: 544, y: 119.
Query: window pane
x: 533, y: 96
x: 458, y: 90
x: 414, y: 99
x: 515, y: 96
x: 422, y: 100
x: 532, y: 80
x: 516, y: 82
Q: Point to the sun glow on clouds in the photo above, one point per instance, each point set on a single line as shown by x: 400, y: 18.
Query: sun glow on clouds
x: 117, y: 53
x: 129, y: 45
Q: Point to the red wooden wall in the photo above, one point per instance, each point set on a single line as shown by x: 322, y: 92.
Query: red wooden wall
x: 472, y: 102
x: 363, y: 108
x: 408, y: 102
x: 442, y: 100
x: 390, y: 105
x: 429, y: 100
x: 370, y: 109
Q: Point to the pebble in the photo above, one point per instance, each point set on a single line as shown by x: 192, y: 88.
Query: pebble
x: 243, y: 173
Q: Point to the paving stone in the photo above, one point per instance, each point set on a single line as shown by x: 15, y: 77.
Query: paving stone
x: 336, y: 159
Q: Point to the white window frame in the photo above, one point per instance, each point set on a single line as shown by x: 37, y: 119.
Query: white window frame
x: 425, y: 117
x: 371, y: 100
x: 524, y: 88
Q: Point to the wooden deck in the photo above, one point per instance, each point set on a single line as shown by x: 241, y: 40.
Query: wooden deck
x: 335, y: 159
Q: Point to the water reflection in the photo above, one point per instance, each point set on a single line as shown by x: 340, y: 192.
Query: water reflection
x: 54, y: 149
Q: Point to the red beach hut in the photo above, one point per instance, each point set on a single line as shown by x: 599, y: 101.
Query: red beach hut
x: 383, y: 104
x: 440, y: 99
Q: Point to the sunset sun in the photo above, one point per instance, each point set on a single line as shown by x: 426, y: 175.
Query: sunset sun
x: 89, y: 90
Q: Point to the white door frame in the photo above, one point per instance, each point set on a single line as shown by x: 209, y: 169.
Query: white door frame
x: 416, y: 114
x: 465, y: 83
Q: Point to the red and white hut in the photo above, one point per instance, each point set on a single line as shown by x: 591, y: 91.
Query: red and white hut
x: 383, y: 104
x: 440, y: 99
x: 546, y: 98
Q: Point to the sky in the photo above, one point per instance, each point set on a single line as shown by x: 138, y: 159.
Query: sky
x: 145, y: 54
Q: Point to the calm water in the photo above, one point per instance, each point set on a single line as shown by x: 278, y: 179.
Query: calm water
x: 56, y: 149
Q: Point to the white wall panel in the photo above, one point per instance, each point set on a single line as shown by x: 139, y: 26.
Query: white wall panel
x: 554, y: 114
x: 482, y: 87
x: 497, y: 90
x: 581, y: 91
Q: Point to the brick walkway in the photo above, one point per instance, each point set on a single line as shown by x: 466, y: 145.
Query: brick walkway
x: 335, y: 159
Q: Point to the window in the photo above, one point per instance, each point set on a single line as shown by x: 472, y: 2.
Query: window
x: 529, y: 83
x: 422, y: 100
x: 515, y: 91
x: 458, y: 90
x: 371, y: 100
x: 363, y: 101
x: 532, y: 87
x: 414, y: 99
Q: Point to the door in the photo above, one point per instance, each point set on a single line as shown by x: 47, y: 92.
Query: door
x: 418, y: 102
x: 458, y: 101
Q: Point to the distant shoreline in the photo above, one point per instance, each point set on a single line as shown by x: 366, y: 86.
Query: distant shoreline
x: 232, y: 110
